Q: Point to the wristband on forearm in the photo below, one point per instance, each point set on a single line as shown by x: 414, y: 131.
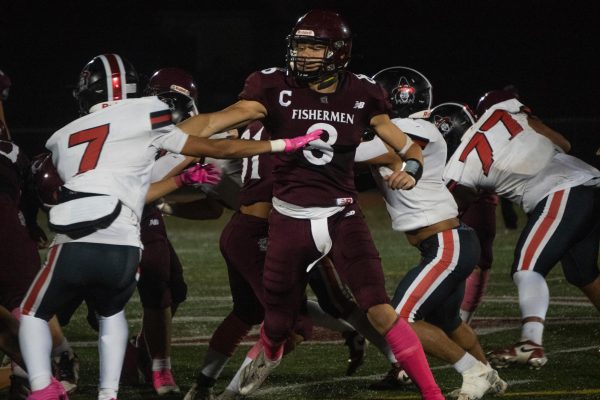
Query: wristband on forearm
x: 414, y: 168
x: 403, y: 150
x: 277, y: 146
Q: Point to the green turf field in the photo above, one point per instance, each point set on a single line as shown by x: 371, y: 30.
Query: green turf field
x: 316, y: 369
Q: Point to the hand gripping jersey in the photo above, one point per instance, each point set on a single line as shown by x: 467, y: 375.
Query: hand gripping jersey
x: 429, y: 201
x: 500, y: 153
x: 321, y: 175
x: 112, y: 151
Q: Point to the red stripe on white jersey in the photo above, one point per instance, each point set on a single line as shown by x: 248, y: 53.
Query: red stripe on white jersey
x: 40, y: 283
x: 432, y: 275
x: 543, y: 230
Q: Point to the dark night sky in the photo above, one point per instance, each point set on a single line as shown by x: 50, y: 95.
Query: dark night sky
x: 545, y: 48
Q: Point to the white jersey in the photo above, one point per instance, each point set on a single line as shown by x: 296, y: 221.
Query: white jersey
x: 429, y: 202
x: 112, y: 151
x: 502, y: 153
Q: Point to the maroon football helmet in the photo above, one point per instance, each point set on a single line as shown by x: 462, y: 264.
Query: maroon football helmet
x: 177, y: 89
x: 172, y: 80
x: 494, y: 97
x: 322, y: 27
x: 4, y: 86
x: 45, y: 179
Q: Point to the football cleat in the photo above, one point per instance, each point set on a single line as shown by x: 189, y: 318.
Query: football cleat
x: 230, y: 395
x: 357, y: 347
x: 395, y: 378
x: 19, y: 388
x: 198, y: 392
x: 164, y: 383
x: 524, y: 353
x: 497, y: 384
x: 66, y: 370
x: 54, y: 391
x: 255, y: 373
x: 476, y: 382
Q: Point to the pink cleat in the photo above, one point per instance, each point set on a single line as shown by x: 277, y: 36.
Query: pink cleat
x: 164, y: 383
x: 54, y: 391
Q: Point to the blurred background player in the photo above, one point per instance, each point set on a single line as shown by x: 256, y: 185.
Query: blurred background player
x: 557, y: 191
x: 452, y: 120
x: 430, y: 294
x: 161, y: 285
x: 20, y: 253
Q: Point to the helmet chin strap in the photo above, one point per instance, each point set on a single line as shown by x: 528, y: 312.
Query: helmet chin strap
x: 327, y: 81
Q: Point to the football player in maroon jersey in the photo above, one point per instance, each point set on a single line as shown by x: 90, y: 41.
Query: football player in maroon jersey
x: 315, y: 211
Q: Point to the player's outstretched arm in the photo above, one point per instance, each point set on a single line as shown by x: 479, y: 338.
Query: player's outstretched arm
x: 236, y: 115
x: 239, y: 148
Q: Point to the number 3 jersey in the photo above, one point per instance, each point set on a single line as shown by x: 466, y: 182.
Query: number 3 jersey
x: 502, y: 153
x: 112, y: 151
x: 321, y: 175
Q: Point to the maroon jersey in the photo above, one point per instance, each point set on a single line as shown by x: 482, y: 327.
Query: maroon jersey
x: 320, y: 175
x: 257, y: 171
x: 13, y: 165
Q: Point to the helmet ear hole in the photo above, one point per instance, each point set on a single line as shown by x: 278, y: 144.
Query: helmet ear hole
x: 409, y: 91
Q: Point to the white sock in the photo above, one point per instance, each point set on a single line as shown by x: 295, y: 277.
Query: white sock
x: 467, y: 361
x: 534, y: 298
x: 107, y: 394
x: 214, y: 362
x: 36, y: 345
x: 322, y: 319
x: 234, y: 385
x: 62, y: 347
x: 358, y: 319
x: 158, y: 364
x: 112, y: 341
x: 533, y: 331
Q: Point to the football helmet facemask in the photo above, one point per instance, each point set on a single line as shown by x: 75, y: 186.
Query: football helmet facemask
x: 106, y: 78
x: 409, y: 90
x: 452, y: 120
x: 319, y: 27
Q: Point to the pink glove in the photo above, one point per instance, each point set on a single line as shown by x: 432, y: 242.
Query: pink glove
x: 199, y: 174
x: 296, y: 143
x: 4, y: 86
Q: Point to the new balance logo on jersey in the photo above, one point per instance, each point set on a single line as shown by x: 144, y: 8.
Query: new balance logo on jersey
x: 359, y: 105
x: 154, y: 222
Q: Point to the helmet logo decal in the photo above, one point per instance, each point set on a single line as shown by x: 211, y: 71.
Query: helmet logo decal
x: 305, y: 32
x: 403, y: 93
x: 179, y: 89
x: 444, y: 124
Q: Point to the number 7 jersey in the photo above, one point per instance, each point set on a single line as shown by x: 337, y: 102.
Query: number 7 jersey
x: 500, y: 153
x: 112, y: 151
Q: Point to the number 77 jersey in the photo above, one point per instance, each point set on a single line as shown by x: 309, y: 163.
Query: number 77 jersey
x: 500, y: 153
